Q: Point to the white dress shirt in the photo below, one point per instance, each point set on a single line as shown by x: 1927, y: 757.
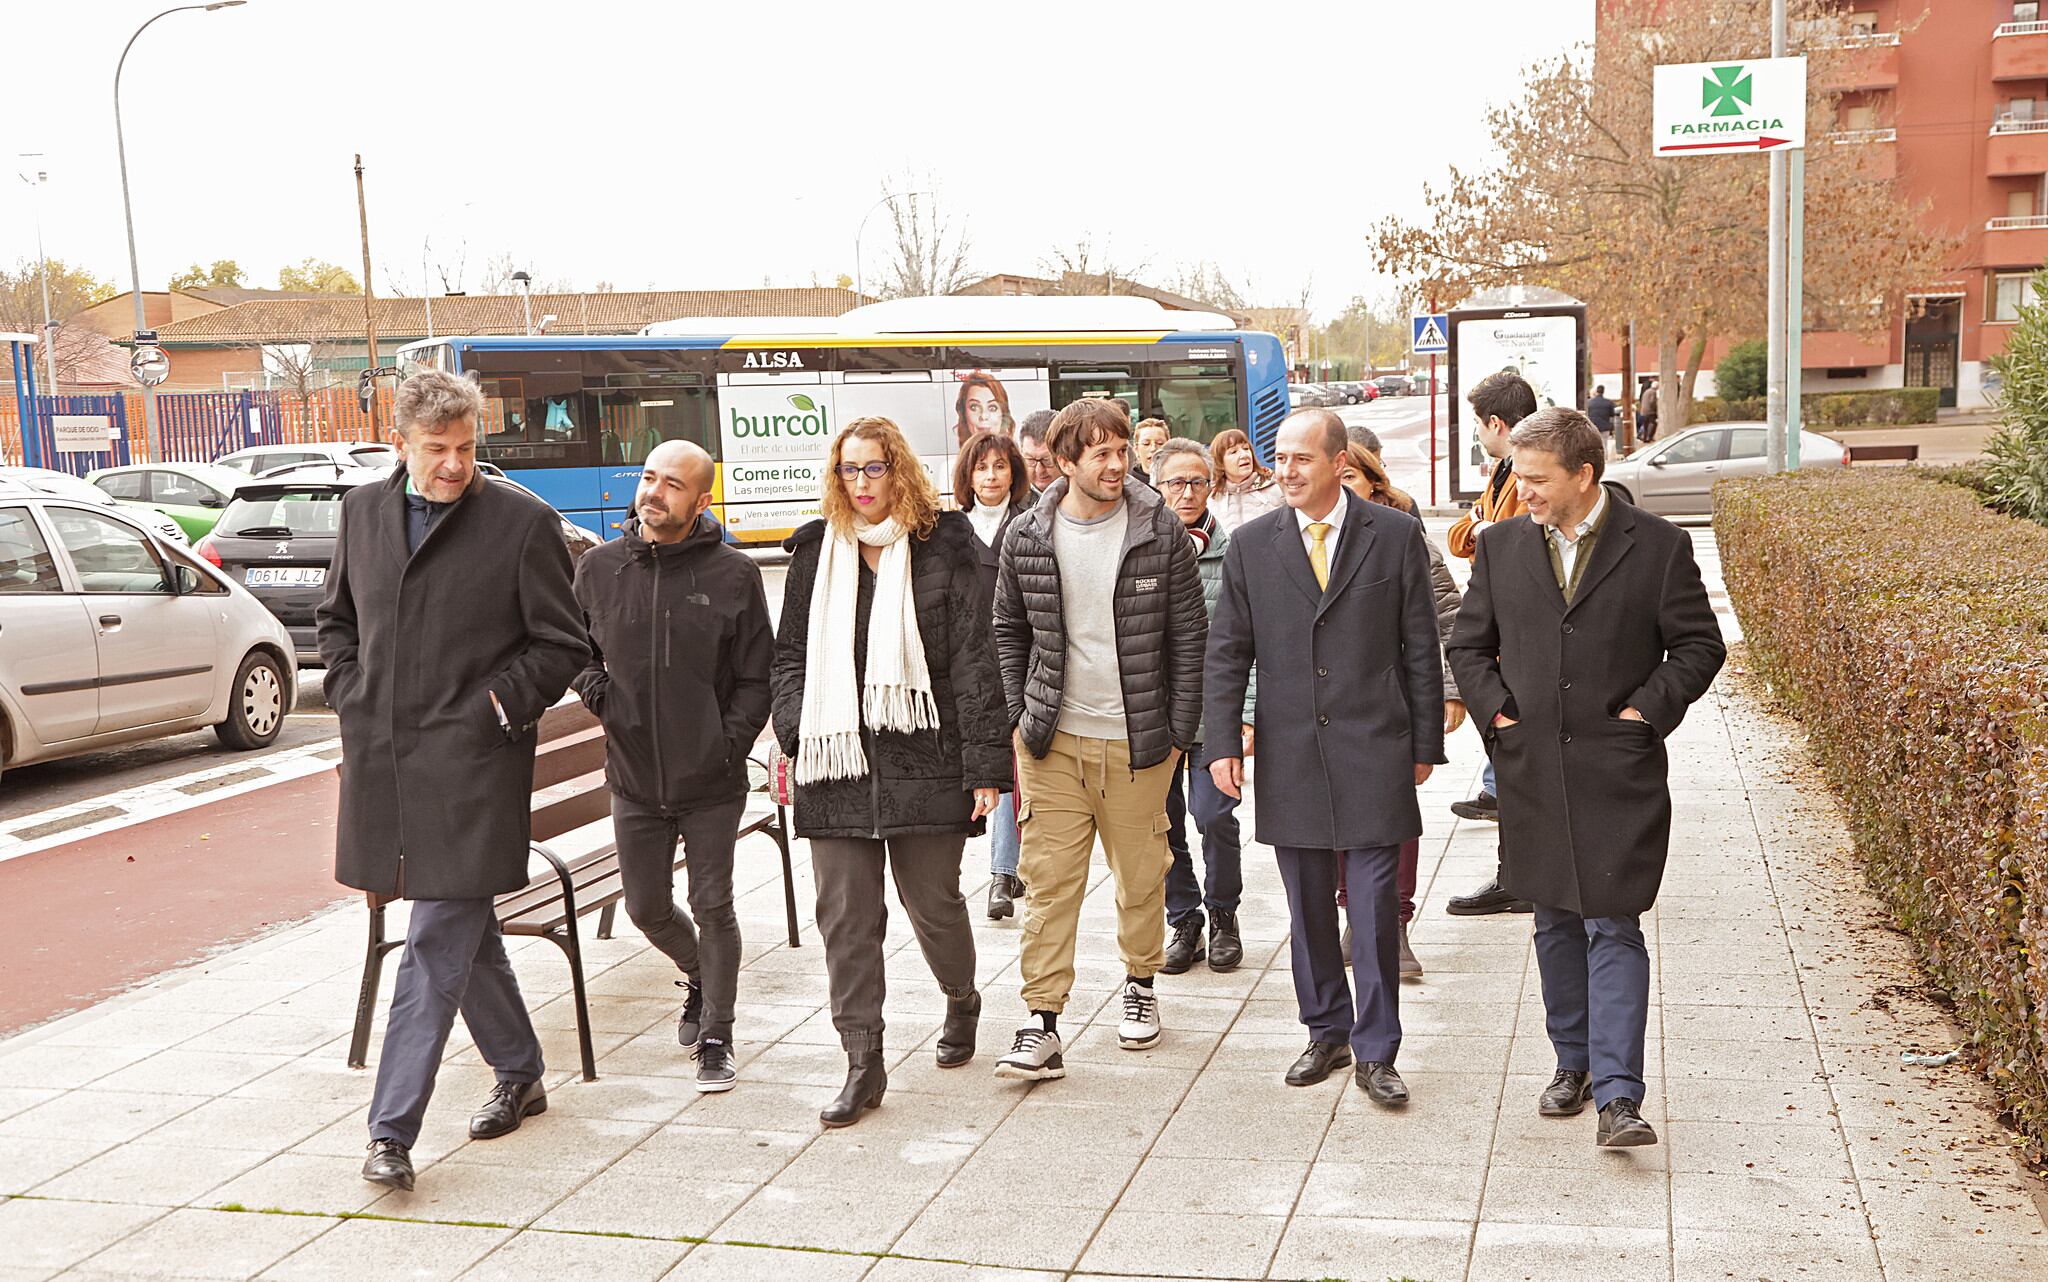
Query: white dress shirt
x: 1568, y: 548
x: 1334, y: 518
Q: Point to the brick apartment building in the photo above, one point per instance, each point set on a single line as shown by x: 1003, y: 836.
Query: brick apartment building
x: 1951, y: 97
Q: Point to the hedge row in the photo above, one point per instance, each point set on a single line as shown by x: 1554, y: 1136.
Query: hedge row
x: 1907, y: 626
x: 1832, y: 409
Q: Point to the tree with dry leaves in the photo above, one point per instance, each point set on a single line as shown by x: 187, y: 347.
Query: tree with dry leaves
x: 80, y: 350
x: 1577, y: 201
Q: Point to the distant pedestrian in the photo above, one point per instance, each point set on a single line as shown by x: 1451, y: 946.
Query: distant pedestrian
x: 1243, y: 488
x: 1184, y: 481
x: 887, y: 702
x: 1099, y: 633
x: 1330, y: 600
x: 990, y: 485
x: 1584, y: 637
x: 1498, y: 403
x: 1601, y: 410
x: 448, y: 628
x: 1646, y: 412
x: 1039, y: 467
x: 681, y: 645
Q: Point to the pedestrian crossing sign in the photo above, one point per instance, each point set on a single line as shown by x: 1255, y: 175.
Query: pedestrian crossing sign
x: 1431, y: 334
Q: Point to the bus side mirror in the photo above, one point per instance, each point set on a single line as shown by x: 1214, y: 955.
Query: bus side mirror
x: 366, y: 390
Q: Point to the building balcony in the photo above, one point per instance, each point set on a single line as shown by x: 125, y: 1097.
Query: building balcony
x: 1876, y: 154
x: 2019, y: 51
x: 2016, y: 242
x: 1843, y: 349
x: 1863, y: 62
x: 2018, y: 148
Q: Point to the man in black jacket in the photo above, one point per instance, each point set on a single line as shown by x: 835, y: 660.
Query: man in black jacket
x: 448, y: 628
x: 681, y: 646
x: 1100, y: 628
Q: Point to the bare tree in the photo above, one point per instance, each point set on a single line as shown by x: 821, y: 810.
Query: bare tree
x: 301, y: 367
x: 81, y: 352
x: 1082, y: 268
x: 930, y: 253
x: 1205, y: 282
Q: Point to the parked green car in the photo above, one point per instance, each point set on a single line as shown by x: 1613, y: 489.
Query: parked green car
x: 192, y: 494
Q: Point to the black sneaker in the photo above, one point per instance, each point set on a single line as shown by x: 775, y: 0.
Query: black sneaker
x: 1485, y: 807
x: 1185, y: 948
x: 714, y: 1066
x: 691, y: 1024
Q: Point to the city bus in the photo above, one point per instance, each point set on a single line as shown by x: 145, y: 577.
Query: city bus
x: 571, y: 418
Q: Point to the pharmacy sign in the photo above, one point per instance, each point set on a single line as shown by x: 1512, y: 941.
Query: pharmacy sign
x: 1714, y: 108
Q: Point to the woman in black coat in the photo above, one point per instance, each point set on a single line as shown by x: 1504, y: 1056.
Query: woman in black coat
x: 888, y: 704
x: 991, y: 485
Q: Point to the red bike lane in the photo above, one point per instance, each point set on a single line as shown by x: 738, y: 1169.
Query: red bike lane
x: 93, y: 917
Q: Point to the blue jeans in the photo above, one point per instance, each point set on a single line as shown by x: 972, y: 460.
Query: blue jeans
x: 1003, y: 838
x: 1222, y: 848
x: 1486, y: 779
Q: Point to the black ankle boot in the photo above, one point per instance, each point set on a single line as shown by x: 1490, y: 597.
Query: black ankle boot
x: 865, y: 1082
x: 956, y: 1035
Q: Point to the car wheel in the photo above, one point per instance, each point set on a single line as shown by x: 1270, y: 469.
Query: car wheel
x: 255, y: 704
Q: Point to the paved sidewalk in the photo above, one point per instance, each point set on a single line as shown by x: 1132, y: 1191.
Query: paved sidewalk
x: 206, y: 1127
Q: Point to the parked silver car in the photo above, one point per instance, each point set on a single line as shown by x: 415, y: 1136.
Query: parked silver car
x: 109, y: 635
x: 66, y: 486
x: 1676, y: 477
x: 260, y: 459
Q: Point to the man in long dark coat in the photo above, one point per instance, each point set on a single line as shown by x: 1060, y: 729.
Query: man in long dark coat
x: 1331, y: 598
x: 449, y: 627
x: 1584, y: 636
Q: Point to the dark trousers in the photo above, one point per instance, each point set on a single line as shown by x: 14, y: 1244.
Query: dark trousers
x: 708, y: 949
x: 1320, y: 985
x: 1596, y: 997
x: 853, y: 918
x: 1222, y: 885
x: 454, y: 961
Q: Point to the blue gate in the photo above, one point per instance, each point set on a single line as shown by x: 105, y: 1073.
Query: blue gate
x: 199, y: 427
x: 63, y: 431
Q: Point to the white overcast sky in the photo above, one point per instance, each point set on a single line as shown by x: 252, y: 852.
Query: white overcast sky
x: 720, y: 145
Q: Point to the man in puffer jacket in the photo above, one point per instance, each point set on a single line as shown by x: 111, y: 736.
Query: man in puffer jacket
x: 681, y: 645
x: 1100, y: 636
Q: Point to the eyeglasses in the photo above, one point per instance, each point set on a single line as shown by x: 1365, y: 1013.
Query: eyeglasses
x: 875, y: 470
x: 1185, y: 483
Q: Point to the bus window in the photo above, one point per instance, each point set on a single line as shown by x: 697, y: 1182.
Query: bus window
x: 1198, y: 400
x: 538, y: 418
x: 633, y: 420
x: 1071, y: 384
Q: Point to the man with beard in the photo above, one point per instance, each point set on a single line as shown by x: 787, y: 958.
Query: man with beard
x: 681, y: 645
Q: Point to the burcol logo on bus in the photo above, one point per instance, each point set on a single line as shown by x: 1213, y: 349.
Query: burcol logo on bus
x: 798, y: 417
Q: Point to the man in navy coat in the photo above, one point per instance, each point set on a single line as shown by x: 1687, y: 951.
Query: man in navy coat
x: 1331, y: 598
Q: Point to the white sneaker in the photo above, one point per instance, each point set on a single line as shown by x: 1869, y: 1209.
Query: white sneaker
x: 1140, y: 1026
x: 1033, y: 1057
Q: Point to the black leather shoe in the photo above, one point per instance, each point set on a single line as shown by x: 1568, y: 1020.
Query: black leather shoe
x: 389, y: 1164
x: 510, y: 1104
x: 1567, y: 1095
x: 1484, y: 807
x: 865, y: 1082
x: 1489, y: 898
x: 1381, y: 1083
x: 956, y: 1035
x: 1184, y: 949
x: 1621, y: 1126
x: 1002, y: 898
x: 1226, y: 950
x: 1317, y: 1062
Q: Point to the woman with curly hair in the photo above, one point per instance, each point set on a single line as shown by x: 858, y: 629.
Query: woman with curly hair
x: 887, y: 701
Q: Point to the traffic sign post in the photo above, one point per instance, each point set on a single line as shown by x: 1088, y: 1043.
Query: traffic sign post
x: 1753, y: 105
x: 1430, y: 335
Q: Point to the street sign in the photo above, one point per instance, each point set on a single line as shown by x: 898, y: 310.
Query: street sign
x: 1732, y: 107
x: 149, y: 365
x: 81, y: 433
x: 1430, y: 335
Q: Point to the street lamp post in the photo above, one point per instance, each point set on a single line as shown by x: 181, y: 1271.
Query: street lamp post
x: 525, y: 283
x: 127, y: 209
x: 43, y: 267
x: 862, y: 230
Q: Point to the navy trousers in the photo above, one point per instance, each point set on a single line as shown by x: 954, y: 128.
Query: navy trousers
x: 1596, y: 997
x: 1222, y: 884
x: 454, y: 962
x: 1373, y: 1026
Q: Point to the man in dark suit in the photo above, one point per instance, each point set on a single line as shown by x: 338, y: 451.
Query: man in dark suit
x: 1584, y: 636
x: 1331, y: 598
x: 448, y: 628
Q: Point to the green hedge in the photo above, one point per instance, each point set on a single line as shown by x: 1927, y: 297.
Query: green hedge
x: 1907, y: 626
x: 1832, y: 409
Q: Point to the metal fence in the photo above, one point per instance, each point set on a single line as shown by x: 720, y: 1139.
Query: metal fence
x: 192, y: 427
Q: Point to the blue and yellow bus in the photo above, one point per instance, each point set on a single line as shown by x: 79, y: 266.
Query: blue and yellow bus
x: 571, y: 418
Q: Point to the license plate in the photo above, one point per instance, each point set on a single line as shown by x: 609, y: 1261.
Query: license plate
x: 285, y: 576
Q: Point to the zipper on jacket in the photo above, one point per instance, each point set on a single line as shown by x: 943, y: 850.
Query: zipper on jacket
x: 656, y: 652
x: 874, y: 784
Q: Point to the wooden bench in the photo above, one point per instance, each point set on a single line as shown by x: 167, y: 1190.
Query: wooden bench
x: 569, y: 791
x: 1908, y: 453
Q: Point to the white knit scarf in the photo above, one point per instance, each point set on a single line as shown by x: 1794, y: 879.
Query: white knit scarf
x: 897, y: 691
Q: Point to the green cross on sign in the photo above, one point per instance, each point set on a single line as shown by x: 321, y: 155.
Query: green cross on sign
x: 1726, y: 90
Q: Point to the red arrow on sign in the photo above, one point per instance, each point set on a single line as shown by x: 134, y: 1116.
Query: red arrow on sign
x: 1764, y: 143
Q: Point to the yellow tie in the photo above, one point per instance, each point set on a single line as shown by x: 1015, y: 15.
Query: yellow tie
x: 1319, y: 554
